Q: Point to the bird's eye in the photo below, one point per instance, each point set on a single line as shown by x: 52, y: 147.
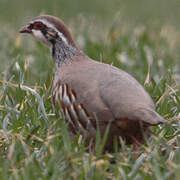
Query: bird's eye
x: 38, y: 26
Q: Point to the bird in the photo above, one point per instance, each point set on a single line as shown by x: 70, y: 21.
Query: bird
x: 94, y: 96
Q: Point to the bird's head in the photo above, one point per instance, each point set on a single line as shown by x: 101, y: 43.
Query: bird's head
x: 49, y: 30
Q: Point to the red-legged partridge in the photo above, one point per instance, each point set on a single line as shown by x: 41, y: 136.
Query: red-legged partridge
x: 92, y: 94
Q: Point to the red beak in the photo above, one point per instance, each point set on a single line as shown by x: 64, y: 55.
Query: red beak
x: 26, y: 29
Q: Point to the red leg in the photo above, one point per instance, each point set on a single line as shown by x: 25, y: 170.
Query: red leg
x: 135, y: 144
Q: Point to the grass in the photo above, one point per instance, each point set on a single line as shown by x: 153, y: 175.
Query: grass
x: 34, y: 141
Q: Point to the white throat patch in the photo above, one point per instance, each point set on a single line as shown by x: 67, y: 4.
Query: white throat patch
x: 40, y: 37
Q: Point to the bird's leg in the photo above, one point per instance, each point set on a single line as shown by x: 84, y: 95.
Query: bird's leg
x: 135, y: 144
x: 135, y: 147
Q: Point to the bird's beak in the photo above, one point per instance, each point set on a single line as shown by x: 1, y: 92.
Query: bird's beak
x: 26, y: 29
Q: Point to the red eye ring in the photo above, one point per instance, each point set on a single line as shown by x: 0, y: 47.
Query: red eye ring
x: 38, y: 26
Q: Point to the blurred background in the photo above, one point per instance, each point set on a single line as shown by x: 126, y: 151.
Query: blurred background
x: 135, y: 12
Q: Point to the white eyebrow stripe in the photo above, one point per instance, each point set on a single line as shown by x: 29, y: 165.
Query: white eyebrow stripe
x: 44, y: 21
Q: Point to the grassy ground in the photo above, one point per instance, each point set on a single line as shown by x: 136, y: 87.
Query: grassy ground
x: 34, y: 142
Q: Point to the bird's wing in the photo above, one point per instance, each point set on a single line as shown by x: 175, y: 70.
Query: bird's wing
x: 125, y: 97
